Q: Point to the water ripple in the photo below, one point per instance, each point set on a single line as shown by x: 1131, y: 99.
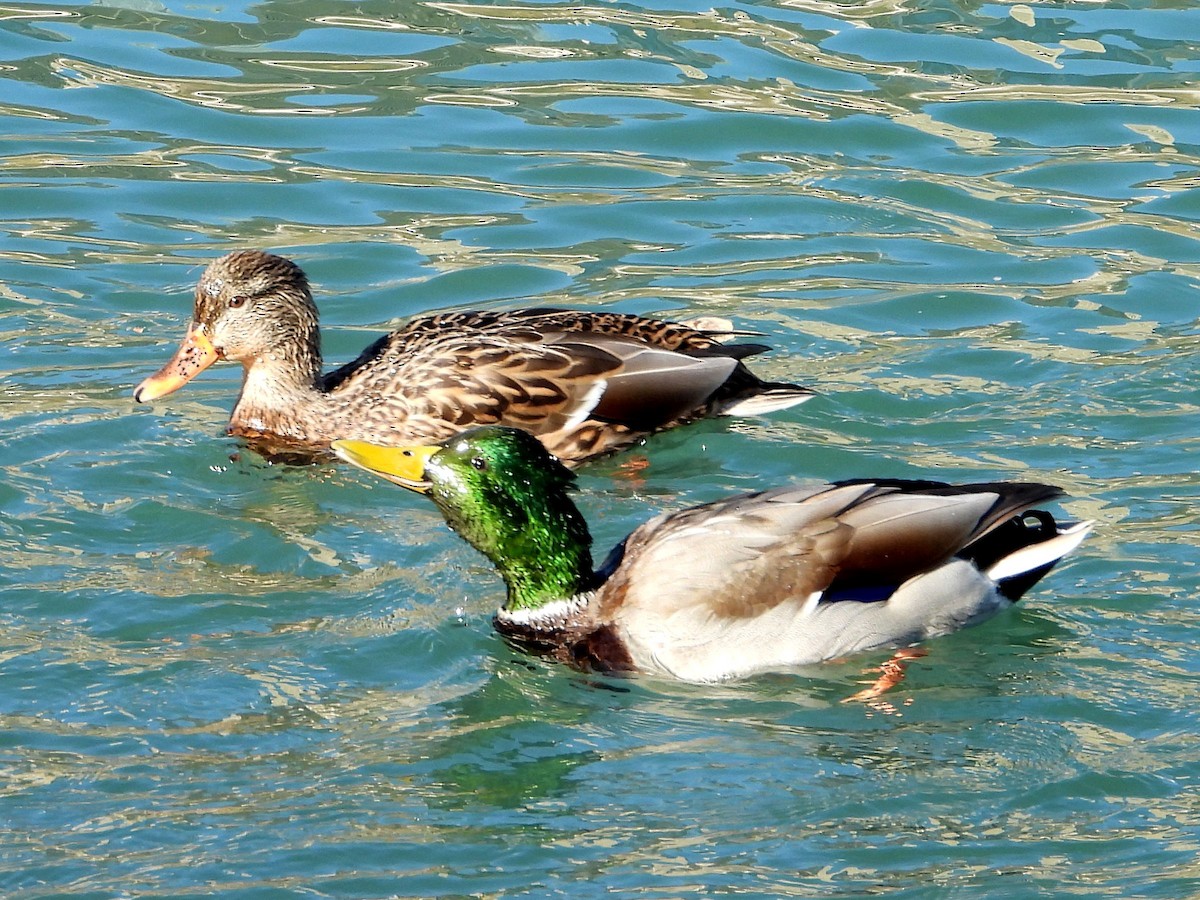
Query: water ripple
x: 972, y: 227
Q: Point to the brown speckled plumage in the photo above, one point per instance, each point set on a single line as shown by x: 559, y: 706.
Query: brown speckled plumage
x: 586, y: 383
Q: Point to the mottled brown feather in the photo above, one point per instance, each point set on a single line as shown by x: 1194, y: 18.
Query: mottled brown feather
x: 543, y: 370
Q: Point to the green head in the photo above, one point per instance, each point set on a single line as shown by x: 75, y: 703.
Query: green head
x: 507, y: 496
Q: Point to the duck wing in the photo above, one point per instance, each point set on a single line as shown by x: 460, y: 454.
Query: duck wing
x: 652, y: 386
x: 698, y: 335
x: 797, y: 575
x: 434, y: 378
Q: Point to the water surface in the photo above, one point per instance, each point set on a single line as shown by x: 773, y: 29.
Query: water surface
x: 974, y: 227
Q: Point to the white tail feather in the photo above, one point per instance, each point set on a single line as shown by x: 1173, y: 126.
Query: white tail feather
x: 768, y: 402
x: 1035, y: 556
x: 719, y: 329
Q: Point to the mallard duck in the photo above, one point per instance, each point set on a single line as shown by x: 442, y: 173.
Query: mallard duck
x: 586, y: 383
x: 753, y: 583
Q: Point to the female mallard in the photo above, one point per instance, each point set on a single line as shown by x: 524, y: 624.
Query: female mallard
x: 758, y: 582
x: 585, y: 382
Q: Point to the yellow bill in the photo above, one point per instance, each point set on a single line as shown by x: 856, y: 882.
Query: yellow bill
x: 404, y: 466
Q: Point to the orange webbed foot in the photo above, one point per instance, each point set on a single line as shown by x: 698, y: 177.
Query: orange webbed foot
x: 891, y: 673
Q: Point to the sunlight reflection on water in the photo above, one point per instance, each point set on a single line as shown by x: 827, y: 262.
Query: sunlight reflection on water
x: 973, y: 228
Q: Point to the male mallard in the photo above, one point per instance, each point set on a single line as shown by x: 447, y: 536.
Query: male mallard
x: 757, y: 582
x: 585, y: 382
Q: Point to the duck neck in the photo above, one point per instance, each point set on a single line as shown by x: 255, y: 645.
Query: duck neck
x: 297, y: 372
x: 543, y: 553
x: 283, y: 392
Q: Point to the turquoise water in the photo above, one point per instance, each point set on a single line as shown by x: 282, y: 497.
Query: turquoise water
x: 974, y: 227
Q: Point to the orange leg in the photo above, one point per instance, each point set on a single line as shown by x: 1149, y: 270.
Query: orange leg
x: 891, y: 673
x: 630, y: 470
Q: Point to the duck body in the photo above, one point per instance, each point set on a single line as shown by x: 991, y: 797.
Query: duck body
x: 760, y: 582
x: 587, y: 383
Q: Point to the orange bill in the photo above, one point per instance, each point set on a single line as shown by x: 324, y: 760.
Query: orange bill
x: 404, y: 466
x: 194, y: 355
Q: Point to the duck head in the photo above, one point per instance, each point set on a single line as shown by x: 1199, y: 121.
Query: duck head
x: 251, y: 307
x: 506, y: 495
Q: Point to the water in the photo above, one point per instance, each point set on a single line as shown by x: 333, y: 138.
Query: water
x: 972, y: 226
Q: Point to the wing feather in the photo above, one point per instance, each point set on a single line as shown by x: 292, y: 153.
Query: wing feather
x: 544, y: 381
x: 733, y: 580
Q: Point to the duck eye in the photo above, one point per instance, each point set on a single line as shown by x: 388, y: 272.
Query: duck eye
x: 479, y: 463
x: 237, y: 301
